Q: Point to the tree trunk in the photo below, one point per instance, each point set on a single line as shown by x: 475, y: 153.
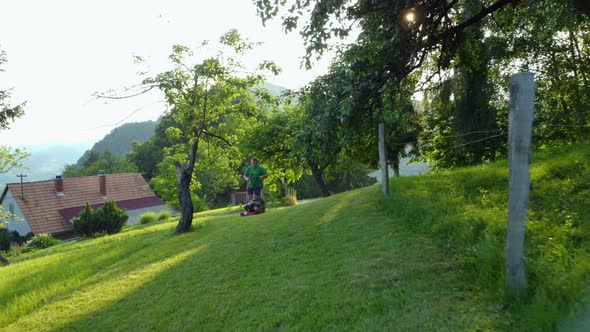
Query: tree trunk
x: 317, y: 176
x: 3, y: 260
x: 395, y: 167
x: 184, y: 176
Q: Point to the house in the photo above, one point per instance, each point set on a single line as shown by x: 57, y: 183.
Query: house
x: 240, y: 195
x: 49, y: 207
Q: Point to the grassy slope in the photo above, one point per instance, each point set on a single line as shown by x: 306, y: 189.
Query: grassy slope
x: 352, y: 261
x: 324, y: 264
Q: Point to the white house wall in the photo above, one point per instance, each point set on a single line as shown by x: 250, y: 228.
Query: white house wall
x: 135, y: 214
x: 22, y: 227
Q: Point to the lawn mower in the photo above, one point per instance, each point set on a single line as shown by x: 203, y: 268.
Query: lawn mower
x: 255, y: 206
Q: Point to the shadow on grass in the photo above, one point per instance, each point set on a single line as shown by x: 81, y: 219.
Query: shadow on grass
x: 39, y: 284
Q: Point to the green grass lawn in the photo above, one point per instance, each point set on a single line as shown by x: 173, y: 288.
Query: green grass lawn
x: 427, y: 258
x: 329, y: 264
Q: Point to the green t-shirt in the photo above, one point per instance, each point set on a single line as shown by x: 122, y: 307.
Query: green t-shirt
x: 253, y: 173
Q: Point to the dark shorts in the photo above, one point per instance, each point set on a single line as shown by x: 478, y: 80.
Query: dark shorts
x: 256, y: 191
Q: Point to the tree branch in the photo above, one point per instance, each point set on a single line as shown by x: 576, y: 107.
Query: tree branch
x: 97, y: 95
x: 474, y: 19
x: 216, y: 136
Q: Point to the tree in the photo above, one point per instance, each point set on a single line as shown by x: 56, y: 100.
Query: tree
x: 397, y: 38
x: 9, y: 158
x: 410, y: 30
x: 213, y: 98
x: 7, y: 111
x: 94, y: 162
x: 320, y: 139
x: 146, y: 155
x: 272, y: 141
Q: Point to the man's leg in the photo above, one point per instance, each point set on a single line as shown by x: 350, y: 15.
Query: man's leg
x: 256, y: 193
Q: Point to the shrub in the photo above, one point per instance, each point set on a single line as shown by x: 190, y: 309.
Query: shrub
x: 107, y: 219
x: 5, y: 239
x: 147, y: 217
x: 163, y: 215
x: 83, y: 223
x: 111, y: 217
x: 8, y: 237
x: 41, y: 241
x: 21, y: 240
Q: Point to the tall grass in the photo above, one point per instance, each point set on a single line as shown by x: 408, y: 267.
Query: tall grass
x: 465, y: 211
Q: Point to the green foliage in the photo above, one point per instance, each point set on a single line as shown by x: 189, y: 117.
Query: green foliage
x: 111, y: 217
x: 5, y: 239
x: 7, y: 111
x: 20, y: 239
x: 462, y: 119
x: 83, y: 223
x: 460, y: 55
x: 108, y: 219
x: 148, y: 217
x: 96, y: 162
x: 10, y: 158
x: 163, y: 215
x: 271, y: 141
x: 307, y: 187
x: 41, y: 241
x: 146, y: 155
x: 165, y: 185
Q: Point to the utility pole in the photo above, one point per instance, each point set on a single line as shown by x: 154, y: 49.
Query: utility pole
x: 21, y: 176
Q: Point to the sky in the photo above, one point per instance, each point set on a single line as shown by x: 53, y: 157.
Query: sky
x: 60, y: 52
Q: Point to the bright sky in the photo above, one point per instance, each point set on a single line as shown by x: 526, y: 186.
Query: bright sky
x: 60, y: 52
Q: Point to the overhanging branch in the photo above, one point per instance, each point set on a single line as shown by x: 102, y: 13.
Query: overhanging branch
x: 474, y: 19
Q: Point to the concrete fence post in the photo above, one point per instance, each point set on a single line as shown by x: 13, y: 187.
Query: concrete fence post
x: 383, y: 161
x: 522, y: 98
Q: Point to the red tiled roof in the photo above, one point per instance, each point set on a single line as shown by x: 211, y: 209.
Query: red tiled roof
x: 43, y: 208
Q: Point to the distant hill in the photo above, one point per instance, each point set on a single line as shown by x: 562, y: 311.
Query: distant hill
x: 46, y: 161
x: 276, y: 90
x: 119, y: 140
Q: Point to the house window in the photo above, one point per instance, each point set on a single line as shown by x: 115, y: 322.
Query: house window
x: 11, y: 208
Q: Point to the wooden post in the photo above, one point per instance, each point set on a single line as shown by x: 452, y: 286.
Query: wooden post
x: 383, y: 161
x: 522, y: 98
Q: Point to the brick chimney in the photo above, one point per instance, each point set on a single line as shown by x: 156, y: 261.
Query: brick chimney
x: 59, y: 185
x: 102, y: 183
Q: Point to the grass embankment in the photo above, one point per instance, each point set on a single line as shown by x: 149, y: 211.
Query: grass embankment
x: 429, y: 258
x: 465, y: 211
x: 337, y: 263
